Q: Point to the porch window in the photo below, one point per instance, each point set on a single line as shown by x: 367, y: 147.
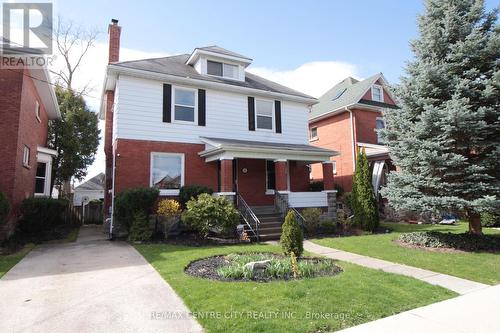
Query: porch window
x: 167, y: 172
x: 184, y: 105
x: 270, y: 176
x: 41, y: 178
x: 334, y: 167
x: 264, y: 111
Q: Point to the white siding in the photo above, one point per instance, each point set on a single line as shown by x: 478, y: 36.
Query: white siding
x: 307, y: 199
x: 139, y: 116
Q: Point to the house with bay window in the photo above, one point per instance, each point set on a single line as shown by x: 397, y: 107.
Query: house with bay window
x: 347, y: 118
x: 27, y: 104
x: 202, y: 119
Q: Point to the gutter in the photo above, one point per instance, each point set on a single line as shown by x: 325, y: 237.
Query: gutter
x: 352, y: 138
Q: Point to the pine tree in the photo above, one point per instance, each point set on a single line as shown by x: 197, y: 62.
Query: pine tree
x: 446, y: 137
x: 363, y: 198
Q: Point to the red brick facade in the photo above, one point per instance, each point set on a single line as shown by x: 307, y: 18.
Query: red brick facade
x: 342, y: 132
x: 19, y: 128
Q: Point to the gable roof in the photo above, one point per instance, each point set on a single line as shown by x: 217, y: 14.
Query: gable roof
x: 176, y: 66
x: 221, y: 50
x: 94, y: 183
x: 347, y: 92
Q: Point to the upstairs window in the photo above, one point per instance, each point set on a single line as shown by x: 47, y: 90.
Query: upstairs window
x: 37, y: 111
x: 380, y: 124
x: 313, y: 135
x: 222, y: 69
x: 264, y: 111
x: 377, y: 93
x: 184, y: 105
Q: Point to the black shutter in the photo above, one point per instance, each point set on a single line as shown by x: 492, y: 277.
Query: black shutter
x: 277, y: 114
x: 251, y: 113
x: 201, y: 107
x: 167, y: 103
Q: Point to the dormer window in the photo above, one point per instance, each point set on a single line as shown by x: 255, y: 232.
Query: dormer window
x: 222, y: 69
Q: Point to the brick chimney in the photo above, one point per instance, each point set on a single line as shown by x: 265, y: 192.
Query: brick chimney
x: 114, y: 31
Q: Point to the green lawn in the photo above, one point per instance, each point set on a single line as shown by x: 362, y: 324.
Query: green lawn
x: 481, y: 267
x: 353, y: 297
x: 9, y: 261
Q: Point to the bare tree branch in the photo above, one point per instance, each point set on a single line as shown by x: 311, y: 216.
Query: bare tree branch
x: 73, y: 43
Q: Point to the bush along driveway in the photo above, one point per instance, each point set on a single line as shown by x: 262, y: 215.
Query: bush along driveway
x: 476, y: 266
x: 354, y: 296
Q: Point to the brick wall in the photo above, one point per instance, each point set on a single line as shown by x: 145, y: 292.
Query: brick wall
x: 19, y: 128
x: 335, y: 133
x: 134, y: 163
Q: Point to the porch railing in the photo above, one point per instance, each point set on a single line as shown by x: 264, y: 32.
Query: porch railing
x: 251, y: 220
x: 282, y: 205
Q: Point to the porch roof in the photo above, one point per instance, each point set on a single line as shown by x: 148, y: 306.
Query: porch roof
x: 220, y: 148
x: 375, y: 151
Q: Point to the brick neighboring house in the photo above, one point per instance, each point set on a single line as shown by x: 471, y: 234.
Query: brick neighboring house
x: 200, y: 118
x: 347, y: 118
x: 27, y: 103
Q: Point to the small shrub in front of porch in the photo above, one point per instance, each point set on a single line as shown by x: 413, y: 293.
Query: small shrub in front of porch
x: 189, y: 192
x: 292, y: 237
x: 209, y: 213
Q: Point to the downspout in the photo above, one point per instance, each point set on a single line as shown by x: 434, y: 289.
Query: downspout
x: 352, y: 139
x: 112, y: 197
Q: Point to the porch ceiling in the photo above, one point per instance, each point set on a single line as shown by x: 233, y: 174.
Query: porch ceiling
x: 218, y: 148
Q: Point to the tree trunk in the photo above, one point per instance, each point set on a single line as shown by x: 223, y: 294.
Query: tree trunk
x: 474, y: 223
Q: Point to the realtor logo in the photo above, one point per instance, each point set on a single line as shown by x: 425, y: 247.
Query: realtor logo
x: 27, y: 28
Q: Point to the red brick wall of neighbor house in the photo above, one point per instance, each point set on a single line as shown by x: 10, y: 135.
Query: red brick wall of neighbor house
x: 365, y: 125
x: 134, y: 163
x: 19, y: 127
x: 335, y: 133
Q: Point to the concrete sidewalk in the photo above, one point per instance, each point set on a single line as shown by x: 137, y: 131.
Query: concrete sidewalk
x: 92, y: 285
x: 476, y: 312
x: 458, y: 285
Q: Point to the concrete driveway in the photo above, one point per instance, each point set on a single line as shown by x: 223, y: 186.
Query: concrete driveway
x: 92, y: 285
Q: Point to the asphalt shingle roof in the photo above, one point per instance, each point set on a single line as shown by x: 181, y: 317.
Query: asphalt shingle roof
x: 176, y: 65
x: 221, y: 50
x: 233, y: 143
x: 94, y: 183
x: 352, y: 89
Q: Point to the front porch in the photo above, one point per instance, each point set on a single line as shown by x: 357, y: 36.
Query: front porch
x: 272, y: 178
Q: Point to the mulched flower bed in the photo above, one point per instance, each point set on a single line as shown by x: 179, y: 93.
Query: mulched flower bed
x: 207, y: 268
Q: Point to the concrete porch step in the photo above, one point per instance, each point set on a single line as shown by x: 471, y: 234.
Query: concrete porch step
x: 262, y: 210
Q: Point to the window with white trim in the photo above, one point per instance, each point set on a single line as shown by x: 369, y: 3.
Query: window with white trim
x: 41, y: 178
x: 184, y: 105
x: 379, y: 125
x: 167, y: 172
x: 26, y: 156
x: 222, y: 69
x: 264, y: 113
x: 37, y: 111
x: 377, y: 93
x: 313, y: 133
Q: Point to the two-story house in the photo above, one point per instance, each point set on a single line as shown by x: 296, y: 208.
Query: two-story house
x: 201, y: 118
x: 27, y: 103
x: 346, y: 119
